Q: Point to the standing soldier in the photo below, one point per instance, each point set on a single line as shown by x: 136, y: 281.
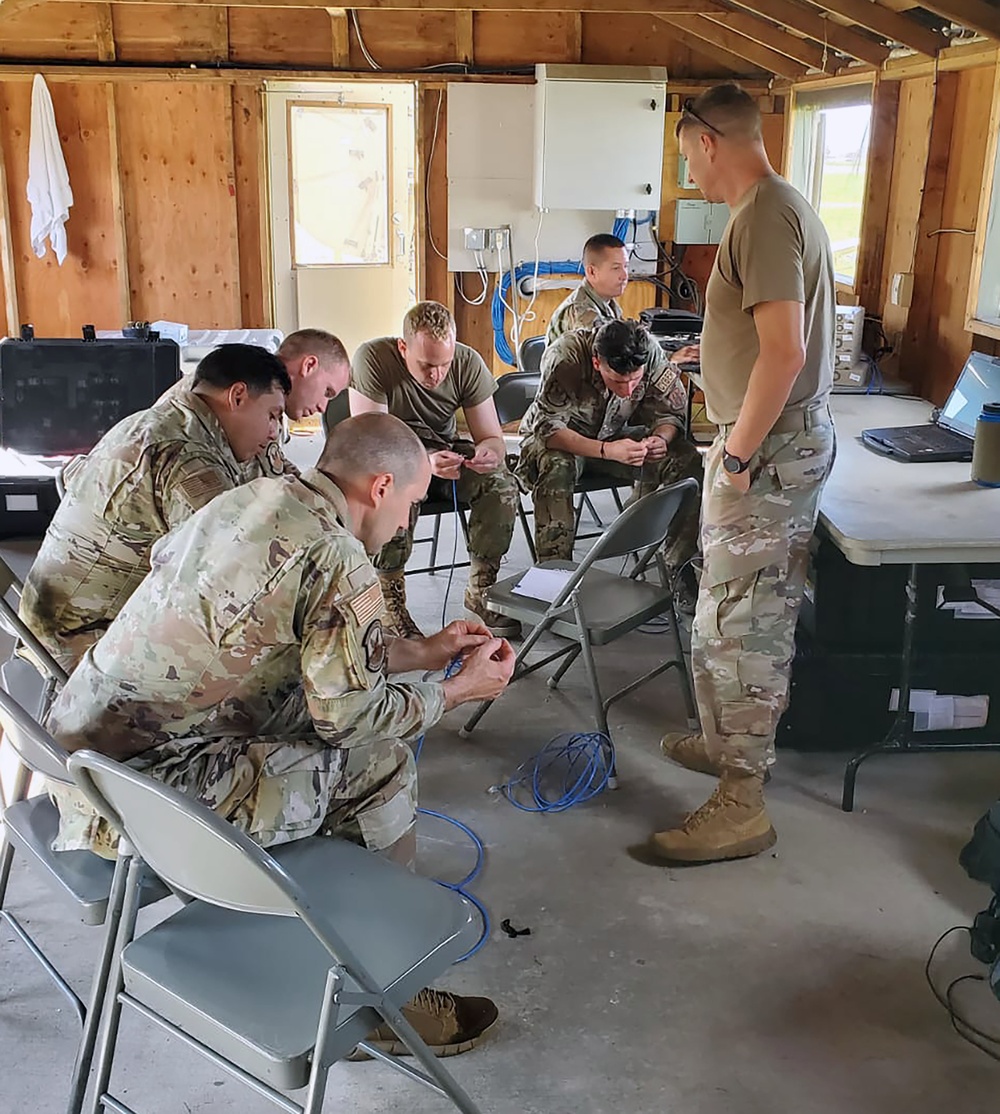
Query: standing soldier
x: 605, y: 267
x: 611, y: 403
x: 767, y: 369
x: 424, y: 378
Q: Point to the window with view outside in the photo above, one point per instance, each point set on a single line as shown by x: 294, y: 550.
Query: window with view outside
x: 830, y: 138
x: 339, y: 184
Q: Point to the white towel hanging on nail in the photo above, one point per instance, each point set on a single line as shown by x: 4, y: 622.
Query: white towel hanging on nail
x: 49, y: 192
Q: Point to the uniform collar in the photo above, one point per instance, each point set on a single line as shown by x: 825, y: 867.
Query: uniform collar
x: 603, y: 304
x: 321, y: 483
x: 206, y: 415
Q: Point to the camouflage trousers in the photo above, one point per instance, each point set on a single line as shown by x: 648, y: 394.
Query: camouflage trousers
x: 492, y: 500
x: 276, y: 790
x: 551, y: 475
x: 756, y: 555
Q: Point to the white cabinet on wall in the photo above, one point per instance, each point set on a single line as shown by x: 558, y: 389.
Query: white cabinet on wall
x: 599, y: 137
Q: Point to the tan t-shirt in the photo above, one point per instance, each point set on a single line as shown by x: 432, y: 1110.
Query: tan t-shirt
x: 774, y: 249
x: 378, y: 371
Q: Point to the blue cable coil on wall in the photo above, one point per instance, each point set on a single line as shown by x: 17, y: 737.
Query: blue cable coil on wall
x: 622, y: 228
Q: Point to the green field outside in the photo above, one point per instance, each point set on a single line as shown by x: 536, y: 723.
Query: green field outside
x: 841, y: 202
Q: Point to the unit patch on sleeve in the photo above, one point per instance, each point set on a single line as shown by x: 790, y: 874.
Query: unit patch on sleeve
x: 373, y: 644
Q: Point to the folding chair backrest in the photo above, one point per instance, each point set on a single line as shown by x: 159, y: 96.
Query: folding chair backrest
x: 514, y: 394
x: 645, y: 524
x: 529, y: 357
x: 183, y: 842
x: 16, y: 627
x: 34, y: 745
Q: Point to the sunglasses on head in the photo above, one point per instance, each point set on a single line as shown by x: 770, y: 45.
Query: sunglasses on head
x: 688, y: 110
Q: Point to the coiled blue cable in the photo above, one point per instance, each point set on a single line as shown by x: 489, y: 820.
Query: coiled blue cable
x: 460, y: 887
x: 577, y: 765
x: 498, y: 309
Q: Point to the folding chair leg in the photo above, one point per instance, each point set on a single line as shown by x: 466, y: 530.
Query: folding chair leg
x: 112, y: 1007
x: 689, y: 704
x: 434, y: 542
x: 533, y: 636
x: 564, y: 665
x: 598, y: 521
x: 618, y: 499
x: 85, y: 1053
x: 320, y: 1068
x: 22, y: 778
x: 528, y: 533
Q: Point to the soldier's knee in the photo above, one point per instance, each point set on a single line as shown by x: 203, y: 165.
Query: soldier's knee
x: 556, y: 470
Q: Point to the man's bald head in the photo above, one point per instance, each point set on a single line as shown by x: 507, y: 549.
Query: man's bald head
x: 382, y: 468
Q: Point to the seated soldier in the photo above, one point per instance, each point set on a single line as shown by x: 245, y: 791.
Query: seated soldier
x: 249, y: 670
x: 610, y: 402
x: 424, y: 378
x: 146, y: 475
x: 605, y: 267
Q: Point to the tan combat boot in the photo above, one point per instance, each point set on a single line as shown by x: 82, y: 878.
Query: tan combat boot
x: 448, y: 1024
x: 732, y: 824
x: 397, y: 619
x: 690, y: 752
x: 482, y: 576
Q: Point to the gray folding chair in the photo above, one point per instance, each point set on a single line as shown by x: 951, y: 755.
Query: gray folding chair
x: 595, y: 607
x: 92, y: 884
x: 285, y: 961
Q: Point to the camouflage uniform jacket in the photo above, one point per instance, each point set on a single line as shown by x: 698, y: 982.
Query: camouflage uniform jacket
x: 573, y: 396
x: 260, y: 616
x: 146, y: 475
x: 583, y: 309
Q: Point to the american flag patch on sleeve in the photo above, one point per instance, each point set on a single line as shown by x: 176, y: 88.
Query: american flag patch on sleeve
x: 368, y: 605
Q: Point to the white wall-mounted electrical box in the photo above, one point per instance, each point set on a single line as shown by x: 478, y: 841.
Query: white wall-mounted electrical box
x: 699, y: 222
x: 599, y: 136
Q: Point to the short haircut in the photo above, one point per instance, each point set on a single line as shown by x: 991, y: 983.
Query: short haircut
x: 728, y: 111
x: 625, y: 346
x: 370, y: 444
x: 429, y: 317
x: 261, y: 370
x: 597, y: 245
x: 314, y: 342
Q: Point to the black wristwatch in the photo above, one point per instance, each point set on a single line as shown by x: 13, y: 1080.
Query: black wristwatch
x: 732, y: 464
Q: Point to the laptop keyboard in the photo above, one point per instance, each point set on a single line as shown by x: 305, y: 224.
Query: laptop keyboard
x: 930, y: 438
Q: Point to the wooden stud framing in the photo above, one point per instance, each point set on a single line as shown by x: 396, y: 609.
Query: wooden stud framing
x: 464, y: 37
x: 931, y: 205
x: 608, y: 7
x: 7, y: 255
x: 118, y: 203
x: 716, y: 34
x: 885, y: 113
x: 981, y: 15
x: 890, y: 25
x: 824, y: 30
x: 767, y: 34
x: 434, y: 279
x: 105, y: 33
x: 340, y: 32
x: 576, y: 36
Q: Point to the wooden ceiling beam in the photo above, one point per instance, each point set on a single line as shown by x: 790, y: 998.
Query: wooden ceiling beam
x: 604, y: 7
x: 980, y: 15
x: 718, y: 35
x: 735, y: 62
x: 801, y: 50
x: 890, y: 25
x: 824, y: 30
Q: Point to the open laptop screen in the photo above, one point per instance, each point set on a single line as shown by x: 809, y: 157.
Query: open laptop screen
x: 978, y: 383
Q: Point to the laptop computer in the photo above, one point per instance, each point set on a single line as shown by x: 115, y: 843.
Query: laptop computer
x: 949, y: 436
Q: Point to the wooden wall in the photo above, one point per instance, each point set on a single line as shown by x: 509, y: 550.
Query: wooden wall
x: 937, y: 175
x: 166, y: 164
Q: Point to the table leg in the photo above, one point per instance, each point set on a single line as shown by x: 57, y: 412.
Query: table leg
x: 899, y: 739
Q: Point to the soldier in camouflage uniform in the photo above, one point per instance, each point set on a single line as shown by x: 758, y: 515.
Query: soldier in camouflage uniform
x: 249, y: 670
x: 149, y: 473
x: 767, y: 368
x: 424, y: 378
x: 605, y: 268
x: 610, y: 403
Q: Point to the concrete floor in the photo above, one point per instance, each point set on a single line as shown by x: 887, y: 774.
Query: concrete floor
x: 789, y: 983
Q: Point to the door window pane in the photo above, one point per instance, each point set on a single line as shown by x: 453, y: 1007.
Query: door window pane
x: 340, y: 184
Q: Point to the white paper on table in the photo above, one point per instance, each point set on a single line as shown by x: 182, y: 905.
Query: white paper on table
x: 920, y: 700
x: 933, y: 711
x: 542, y: 584
x: 15, y: 465
x: 987, y: 590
